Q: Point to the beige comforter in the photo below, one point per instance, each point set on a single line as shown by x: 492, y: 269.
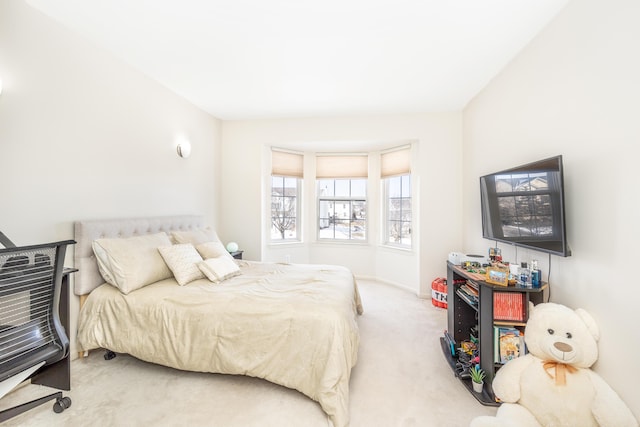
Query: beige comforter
x: 294, y: 325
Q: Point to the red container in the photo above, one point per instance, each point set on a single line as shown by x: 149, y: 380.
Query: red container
x: 439, y: 292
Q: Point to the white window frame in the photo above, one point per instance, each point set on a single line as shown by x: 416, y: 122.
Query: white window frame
x: 298, y: 196
x: 386, y: 214
x: 320, y: 219
x: 285, y: 165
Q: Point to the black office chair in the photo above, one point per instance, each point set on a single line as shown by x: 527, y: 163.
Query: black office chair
x: 31, y: 336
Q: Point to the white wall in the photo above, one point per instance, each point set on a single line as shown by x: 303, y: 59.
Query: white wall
x: 437, y: 178
x: 575, y: 91
x: 84, y: 136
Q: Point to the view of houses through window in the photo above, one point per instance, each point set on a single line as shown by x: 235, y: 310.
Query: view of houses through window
x: 341, y: 191
x: 342, y: 209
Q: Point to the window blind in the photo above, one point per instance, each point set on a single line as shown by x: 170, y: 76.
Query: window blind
x: 396, y: 162
x: 285, y: 163
x: 342, y: 166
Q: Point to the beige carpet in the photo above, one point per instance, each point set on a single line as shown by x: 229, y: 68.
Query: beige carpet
x: 401, y: 379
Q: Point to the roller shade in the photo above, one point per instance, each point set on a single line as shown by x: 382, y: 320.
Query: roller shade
x: 396, y: 162
x: 284, y: 163
x: 343, y: 166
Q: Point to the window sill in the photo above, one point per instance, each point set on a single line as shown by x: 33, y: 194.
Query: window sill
x: 285, y: 243
x: 328, y: 242
x: 403, y: 249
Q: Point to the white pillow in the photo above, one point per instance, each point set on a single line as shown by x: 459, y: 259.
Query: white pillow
x: 183, y: 261
x: 195, y: 237
x: 132, y: 262
x: 212, y: 250
x: 219, y: 269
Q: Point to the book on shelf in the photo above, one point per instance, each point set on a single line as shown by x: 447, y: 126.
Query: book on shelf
x: 470, y: 294
x: 471, y: 287
x: 508, y: 344
x: 469, y: 300
x: 472, y: 284
x: 509, y: 306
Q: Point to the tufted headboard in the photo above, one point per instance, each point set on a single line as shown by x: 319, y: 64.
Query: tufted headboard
x: 88, y: 277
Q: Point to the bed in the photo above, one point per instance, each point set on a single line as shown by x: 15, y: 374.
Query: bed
x: 292, y: 324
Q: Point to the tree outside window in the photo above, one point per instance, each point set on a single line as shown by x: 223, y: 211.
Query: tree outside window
x: 398, y: 212
x: 284, y: 208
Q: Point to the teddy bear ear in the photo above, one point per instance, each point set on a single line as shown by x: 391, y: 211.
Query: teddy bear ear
x: 590, y: 322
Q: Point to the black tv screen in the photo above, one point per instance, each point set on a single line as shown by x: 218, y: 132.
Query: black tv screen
x: 524, y: 206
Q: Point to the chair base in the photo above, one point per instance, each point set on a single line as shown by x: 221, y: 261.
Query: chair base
x: 60, y: 405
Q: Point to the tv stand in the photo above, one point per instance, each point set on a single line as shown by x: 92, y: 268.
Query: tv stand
x: 465, y: 315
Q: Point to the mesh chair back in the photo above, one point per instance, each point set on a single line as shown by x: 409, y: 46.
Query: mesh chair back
x: 30, y: 329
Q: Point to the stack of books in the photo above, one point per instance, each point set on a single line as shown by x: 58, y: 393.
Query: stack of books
x: 509, y: 306
x: 469, y: 293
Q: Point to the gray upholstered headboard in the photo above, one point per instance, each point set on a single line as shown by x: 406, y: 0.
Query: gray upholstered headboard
x: 88, y: 277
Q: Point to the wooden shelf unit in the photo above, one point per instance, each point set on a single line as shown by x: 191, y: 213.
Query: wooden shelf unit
x: 462, y: 315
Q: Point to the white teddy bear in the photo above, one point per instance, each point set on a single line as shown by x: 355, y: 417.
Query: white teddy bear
x: 553, y: 385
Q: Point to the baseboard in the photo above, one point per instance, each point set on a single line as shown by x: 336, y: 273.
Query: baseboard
x: 394, y: 284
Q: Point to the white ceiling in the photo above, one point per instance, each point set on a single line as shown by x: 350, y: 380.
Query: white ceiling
x: 247, y: 59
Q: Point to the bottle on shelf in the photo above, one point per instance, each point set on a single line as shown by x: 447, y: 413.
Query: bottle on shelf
x: 536, y: 274
x: 524, y: 275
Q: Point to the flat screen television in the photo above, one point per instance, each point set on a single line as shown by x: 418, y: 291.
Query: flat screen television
x: 524, y: 206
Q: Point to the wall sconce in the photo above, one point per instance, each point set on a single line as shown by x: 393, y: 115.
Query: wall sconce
x: 184, y: 149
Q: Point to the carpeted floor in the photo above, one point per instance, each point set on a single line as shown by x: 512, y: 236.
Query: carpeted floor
x: 401, y: 379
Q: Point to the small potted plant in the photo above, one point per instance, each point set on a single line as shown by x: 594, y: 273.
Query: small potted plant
x: 477, y: 378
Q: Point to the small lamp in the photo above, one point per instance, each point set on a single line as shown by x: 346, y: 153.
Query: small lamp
x: 184, y: 149
x: 232, y: 247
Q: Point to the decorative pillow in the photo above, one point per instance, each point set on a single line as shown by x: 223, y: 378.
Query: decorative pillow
x: 212, y: 250
x: 195, y: 237
x: 219, y: 269
x: 132, y: 262
x: 182, y: 260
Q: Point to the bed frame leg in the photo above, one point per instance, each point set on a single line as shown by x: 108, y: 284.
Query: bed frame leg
x: 83, y: 299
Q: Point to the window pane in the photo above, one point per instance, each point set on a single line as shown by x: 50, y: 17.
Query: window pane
x: 291, y: 184
x: 406, y: 210
x: 288, y: 233
x: 284, y: 208
x: 395, y: 209
x: 395, y: 189
x: 358, y: 220
x: 342, y: 210
x: 325, y: 187
x: 395, y: 231
x: 342, y: 188
x: 358, y: 230
x: 406, y: 186
x: 277, y: 182
x: 358, y: 188
x: 290, y: 206
x: 398, y: 200
x: 341, y: 215
x: 359, y: 210
x: 325, y: 216
x: 326, y: 233
x: 406, y: 234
